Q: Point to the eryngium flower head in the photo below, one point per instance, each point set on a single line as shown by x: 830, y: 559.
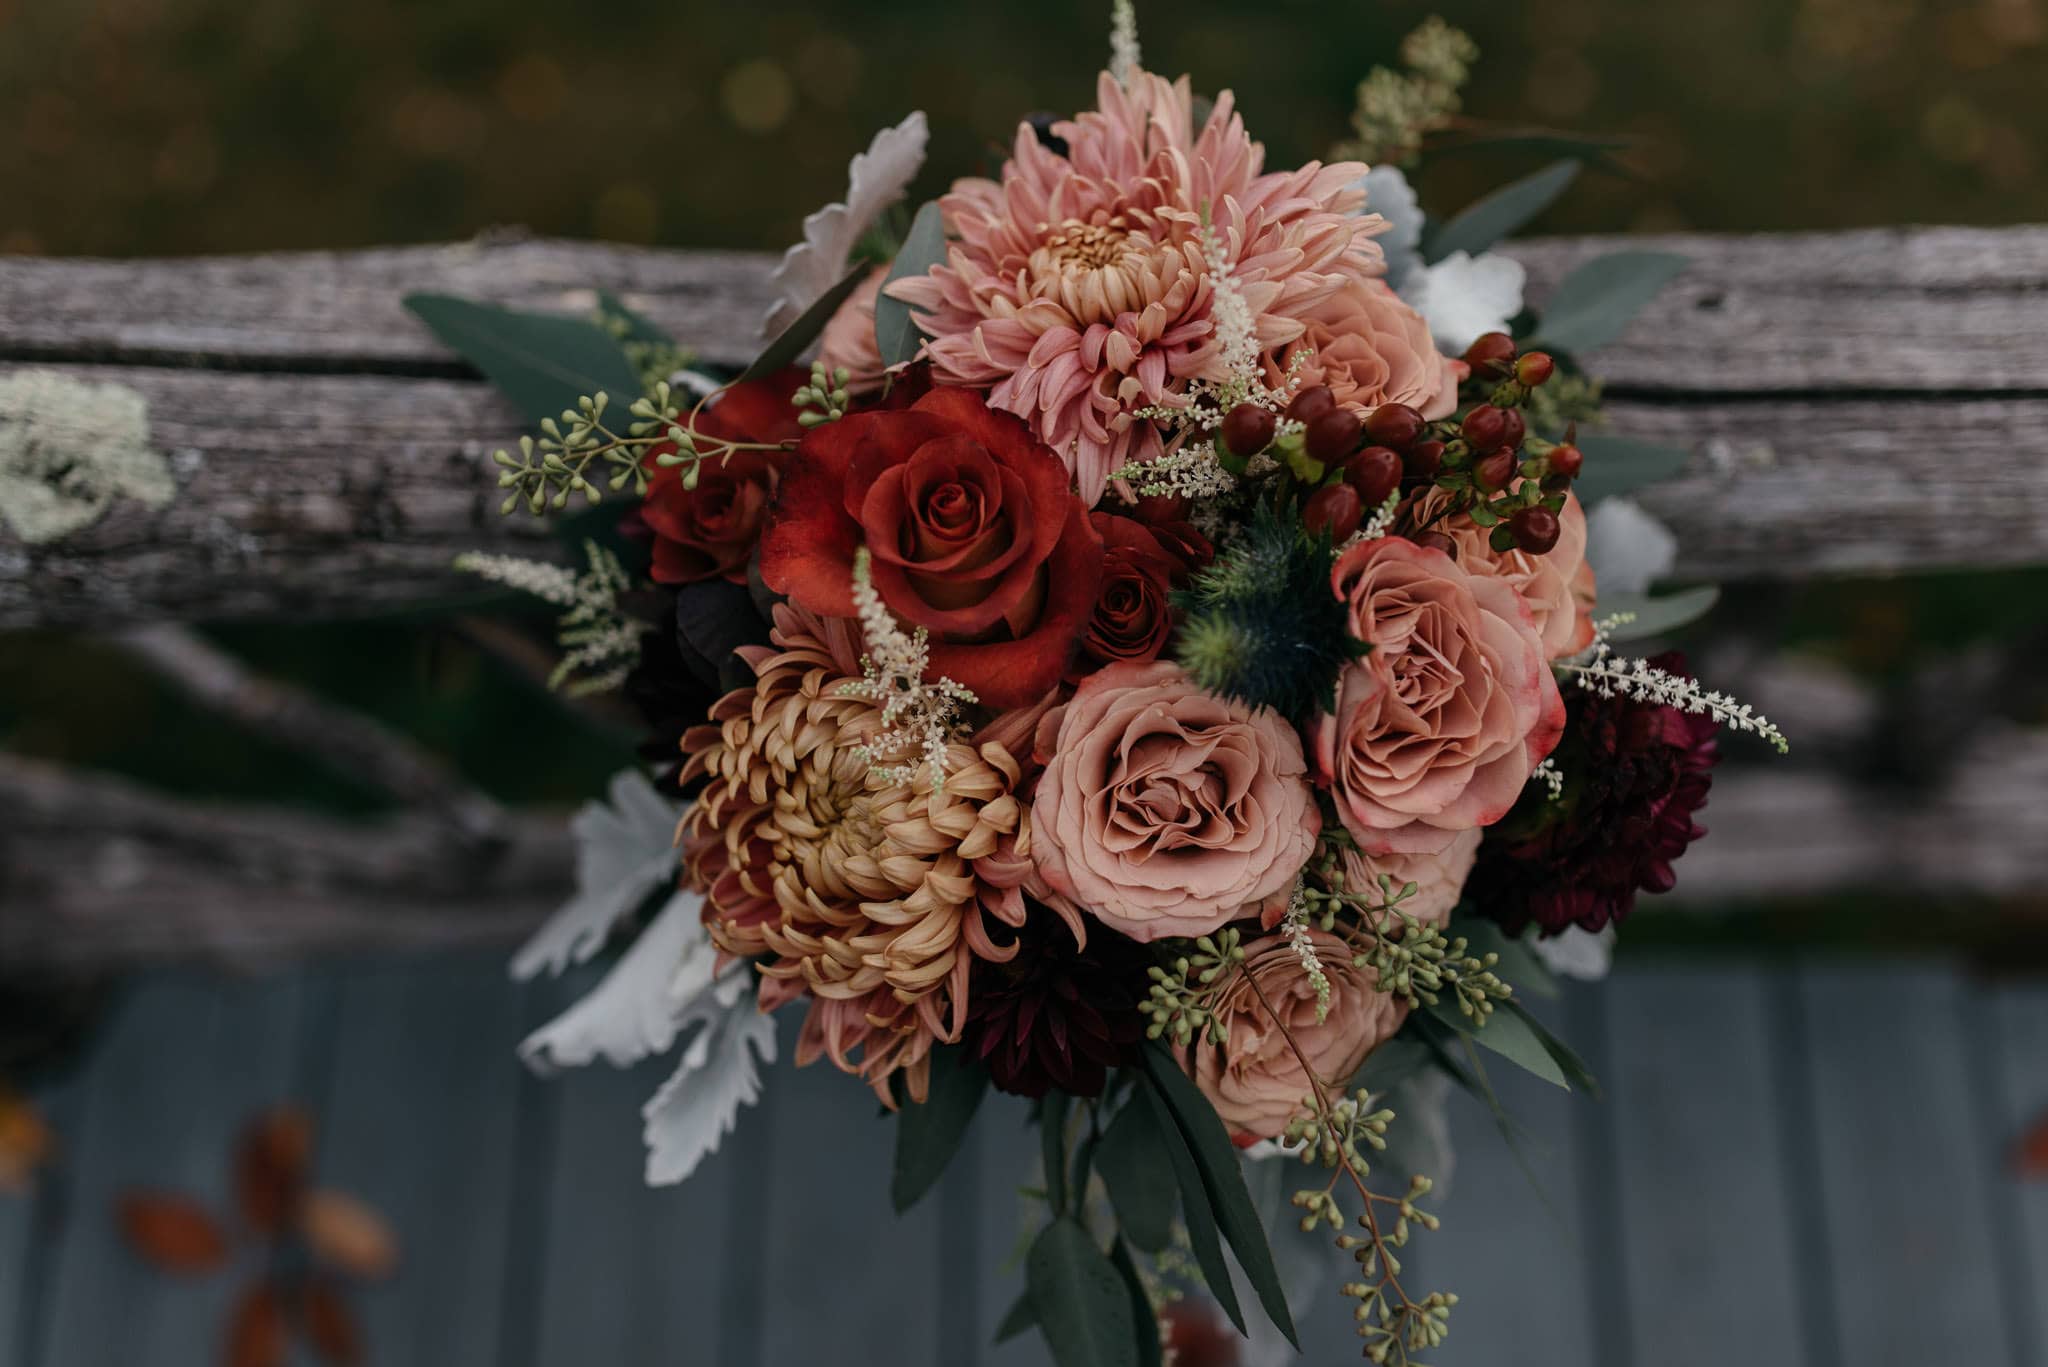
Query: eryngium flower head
x: 1634, y: 775
x: 1061, y: 1011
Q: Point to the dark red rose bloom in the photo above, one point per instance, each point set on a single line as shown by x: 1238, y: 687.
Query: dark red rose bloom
x: 1134, y: 612
x: 710, y: 532
x: 972, y: 528
x: 1635, y: 773
x: 1168, y: 519
x: 1055, y: 1015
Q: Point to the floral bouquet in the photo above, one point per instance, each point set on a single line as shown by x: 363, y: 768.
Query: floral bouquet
x: 1151, y: 661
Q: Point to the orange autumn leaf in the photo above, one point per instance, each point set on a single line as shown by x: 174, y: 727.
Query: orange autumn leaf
x: 2031, y: 1157
x: 171, y: 1232
x: 271, y: 1164
x: 25, y: 1141
x: 331, y: 1326
x: 348, y: 1235
x: 257, y: 1335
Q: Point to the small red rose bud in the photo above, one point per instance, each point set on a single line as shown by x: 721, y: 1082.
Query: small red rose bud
x: 1311, y: 404
x: 1536, y: 529
x: 1425, y: 459
x: 1394, y: 424
x: 1333, y: 436
x: 1437, y: 541
x: 1534, y: 368
x: 1376, y: 473
x: 1493, y: 472
x: 1337, y: 510
x: 1485, y: 427
x: 1513, y: 429
x: 1248, y: 429
x: 1566, y: 460
x: 1491, y: 353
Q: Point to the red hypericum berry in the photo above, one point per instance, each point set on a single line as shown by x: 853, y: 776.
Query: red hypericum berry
x: 1491, y: 353
x: 1337, y: 510
x: 1437, y: 541
x: 1493, y: 472
x: 1333, y: 436
x: 1485, y: 427
x: 1425, y: 459
x: 1376, y: 472
x: 1566, y: 460
x: 1513, y: 430
x: 1248, y: 429
x: 1394, y: 424
x: 1534, y: 368
x: 1311, y: 404
x: 1536, y: 529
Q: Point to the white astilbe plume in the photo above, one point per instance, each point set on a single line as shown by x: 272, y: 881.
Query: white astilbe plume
x: 1294, y: 925
x: 1551, y: 777
x: 1191, y: 472
x: 919, y: 716
x: 597, y: 639
x: 1599, y: 670
x: 1378, y: 525
x: 1125, y: 60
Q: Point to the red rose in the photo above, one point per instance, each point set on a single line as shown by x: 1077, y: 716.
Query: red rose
x: 709, y: 532
x: 972, y: 528
x: 1134, y: 610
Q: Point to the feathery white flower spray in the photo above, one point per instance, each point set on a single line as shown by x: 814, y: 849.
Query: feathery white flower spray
x: 1294, y: 925
x: 1378, y: 525
x: 1125, y: 60
x: 1598, y: 670
x: 548, y: 582
x: 919, y: 716
x: 595, y: 636
x: 1551, y: 776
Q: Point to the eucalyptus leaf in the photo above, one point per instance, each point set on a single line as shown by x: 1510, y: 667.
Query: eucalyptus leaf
x: 1494, y: 216
x: 1079, y: 1299
x: 1196, y: 1212
x: 1217, y: 1160
x: 1655, y: 616
x: 1144, y: 1319
x: 1560, y: 1053
x: 791, y: 341
x: 1597, y: 300
x: 1509, y: 1034
x: 927, y: 1136
x: 540, y: 361
x: 714, y: 618
x: 1617, y: 465
x: 1052, y: 1147
x: 1518, y: 963
x: 1140, y: 1187
x: 896, y: 336
x: 1018, y: 1318
x: 638, y: 328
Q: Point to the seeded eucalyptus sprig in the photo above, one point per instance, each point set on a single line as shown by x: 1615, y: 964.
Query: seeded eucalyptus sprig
x: 1180, y: 1004
x: 825, y: 399
x: 1410, y: 959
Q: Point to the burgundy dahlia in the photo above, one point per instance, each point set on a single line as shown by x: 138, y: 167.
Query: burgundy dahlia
x: 1053, y: 1015
x: 1635, y: 773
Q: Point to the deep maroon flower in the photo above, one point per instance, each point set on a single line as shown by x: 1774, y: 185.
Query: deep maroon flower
x: 1635, y: 773
x: 1054, y: 1015
x: 1142, y: 565
x: 709, y: 532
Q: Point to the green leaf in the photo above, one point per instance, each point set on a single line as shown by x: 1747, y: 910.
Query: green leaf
x: 1144, y: 1319
x: 1017, y: 1319
x: 1081, y: 1304
x: 1508, y: 1034
x: 1597, y: 300
x: 896, y: 336
x: 1215, y: 1156
x: 1560, y: 1053
x: 1655, y: 616
x: 1196, y: 1213
x: 786, y: 348
x: 1394, y: 1062
x: 1052, y: 1147
x: 638, y: 328
x: 1140, y: 1187
x: 541, y: 362
x: 1492, y: 217
x: 1518, y: 963
x: 928, y: 1135
x: 1617, y: 465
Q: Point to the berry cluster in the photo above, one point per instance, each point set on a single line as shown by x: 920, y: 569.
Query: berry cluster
x: 1494, y: 470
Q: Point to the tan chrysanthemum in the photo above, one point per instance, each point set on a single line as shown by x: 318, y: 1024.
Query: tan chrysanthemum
x: 867, y: 895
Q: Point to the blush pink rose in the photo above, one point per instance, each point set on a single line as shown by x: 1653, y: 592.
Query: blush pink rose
x: 1437, y: 729
x: 1165, y: 810
x: 1370, y: 349
x: 1439, y: 877
x: 849, y: 338
x: 1254, y: 1078
x: 1557, y: 586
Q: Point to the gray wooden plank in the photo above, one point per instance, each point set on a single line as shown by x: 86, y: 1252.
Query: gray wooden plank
x: 2020, y: 1020
x: 28, y: 1220
x: 1690, y: 1093
x: 847, y: 1279
x: 420, y: 1120
x: 632, y: 1274
x: 1910, y: 1246
x: 182, y: 1068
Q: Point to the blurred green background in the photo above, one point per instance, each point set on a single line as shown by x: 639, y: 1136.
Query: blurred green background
x: 132, y: 127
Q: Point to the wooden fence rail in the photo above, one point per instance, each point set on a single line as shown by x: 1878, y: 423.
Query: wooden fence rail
x: 1856, y: 404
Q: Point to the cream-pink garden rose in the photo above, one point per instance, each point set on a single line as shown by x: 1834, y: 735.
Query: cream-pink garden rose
x: 1168, y: 811
x: 1438, y: 728
x: 1370, y: 349
x: 1254, y: 1078
x: 848, y: 341
x: 1557, y: 586
x: 1439, y: 877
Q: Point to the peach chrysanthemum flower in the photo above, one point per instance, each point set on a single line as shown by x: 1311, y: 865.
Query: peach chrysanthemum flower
x: 1076, y: 291
x: 870, y: 896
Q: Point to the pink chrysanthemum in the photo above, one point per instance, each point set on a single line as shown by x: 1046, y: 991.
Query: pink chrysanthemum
x: 1076, y: 291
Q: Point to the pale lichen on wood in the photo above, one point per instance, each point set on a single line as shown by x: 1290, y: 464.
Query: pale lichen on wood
x: 68, y: 449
